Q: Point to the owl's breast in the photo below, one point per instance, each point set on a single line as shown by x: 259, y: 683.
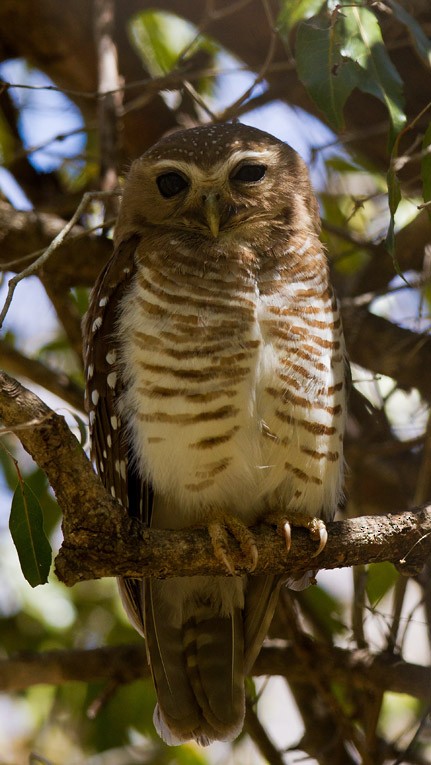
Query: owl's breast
x: 206, y: 361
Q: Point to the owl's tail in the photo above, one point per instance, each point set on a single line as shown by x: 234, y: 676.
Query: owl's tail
x: 197, y: 666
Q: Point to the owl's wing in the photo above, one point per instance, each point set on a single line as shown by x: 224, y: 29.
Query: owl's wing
x: 109, y: 443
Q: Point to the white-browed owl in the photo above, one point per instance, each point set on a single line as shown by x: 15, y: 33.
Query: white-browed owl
x: 216, y: 394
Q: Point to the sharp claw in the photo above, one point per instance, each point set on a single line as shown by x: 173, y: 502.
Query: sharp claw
x: 287, y: 534
x: 254, y: 555
x: 226, y: 562
x: 323, y: 538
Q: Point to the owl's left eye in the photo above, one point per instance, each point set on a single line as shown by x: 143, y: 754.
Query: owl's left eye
x: 170, y: 184
x: 249, y: 173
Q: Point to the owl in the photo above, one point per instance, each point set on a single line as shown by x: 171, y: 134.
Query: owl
x: 216, y: 395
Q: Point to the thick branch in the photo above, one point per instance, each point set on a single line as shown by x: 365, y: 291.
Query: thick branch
x: 23, y: 234
x: 56, y: 382
x: 383, y: 347
x: 102, y: 540
x: 361, y: 669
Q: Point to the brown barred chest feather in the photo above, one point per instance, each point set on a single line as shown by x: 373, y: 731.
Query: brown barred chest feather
x: 195, y: 393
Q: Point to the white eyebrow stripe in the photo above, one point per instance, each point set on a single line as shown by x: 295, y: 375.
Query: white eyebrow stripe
x: 221, y: 168
x: 246, y: 154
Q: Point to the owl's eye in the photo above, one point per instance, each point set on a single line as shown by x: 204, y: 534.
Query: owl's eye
x: 249, y: 173
x: 170, y: 184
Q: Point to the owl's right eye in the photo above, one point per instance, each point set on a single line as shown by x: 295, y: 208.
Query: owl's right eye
x: 170, y: 184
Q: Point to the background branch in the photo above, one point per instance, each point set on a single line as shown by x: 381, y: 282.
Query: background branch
x: 126, y: 663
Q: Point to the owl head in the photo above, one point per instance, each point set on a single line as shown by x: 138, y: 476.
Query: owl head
x: 219, y: 182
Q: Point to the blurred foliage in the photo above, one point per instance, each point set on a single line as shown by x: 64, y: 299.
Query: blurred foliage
x: 338, y: 48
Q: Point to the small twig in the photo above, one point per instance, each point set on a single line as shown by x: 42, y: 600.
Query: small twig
x: 358, y: 605
x: 233, y: 108
x: 405, y: 753
x: 24, y: 426
x: 59, y: 239
x: 11, y: 264
x: 109, y: 105
x: 259, y: 736
x: 199, y: 100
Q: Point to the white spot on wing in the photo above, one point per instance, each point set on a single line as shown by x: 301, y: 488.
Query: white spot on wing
x: 111, y: 357
x: 97, y: 323
x: 95, y: 396
x: 112, y: 379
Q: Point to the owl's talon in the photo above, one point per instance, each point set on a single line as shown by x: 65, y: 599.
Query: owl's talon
x: 318, y: 532
x: 323, y: 537
x: 254, y: 555
x: 315, y: 526
x: 244, y: 537
x: 219, y: 541
x: 286, y: 532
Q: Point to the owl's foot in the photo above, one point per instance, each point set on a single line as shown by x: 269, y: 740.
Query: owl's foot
x: 315, y: 526
x: 218, y: 530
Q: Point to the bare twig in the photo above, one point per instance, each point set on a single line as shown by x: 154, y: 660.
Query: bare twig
x: 109, y: 104
x: 232, y: 110
x: 259, y: 736
x: 56, y: 242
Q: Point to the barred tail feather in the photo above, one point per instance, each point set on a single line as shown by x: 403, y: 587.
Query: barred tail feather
x: 197, y: 668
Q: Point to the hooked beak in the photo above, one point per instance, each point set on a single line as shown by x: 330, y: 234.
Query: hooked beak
x: 212, y: 212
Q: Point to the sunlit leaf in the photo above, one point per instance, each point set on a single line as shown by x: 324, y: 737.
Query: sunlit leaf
x: 26, y: 528
x: 418, y: 36
x: 328, y: 76
x: 292, y: 13
x: 363, y: 43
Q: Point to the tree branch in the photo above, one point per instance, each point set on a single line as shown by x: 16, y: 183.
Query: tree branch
x: 126, y: 663
x: 383, y: 347
x: 50, y: 379
x: 75, y: 263
x: 100, y: 539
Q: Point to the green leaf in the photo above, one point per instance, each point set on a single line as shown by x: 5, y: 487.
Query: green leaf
x: 418, y: 36
x: 363, y: 43
x: 292, y: 13
x: 426, y: 165
x: 380, y: 578
x: 328, y: 76
x: 324, y: 610
x: 26, y: 528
